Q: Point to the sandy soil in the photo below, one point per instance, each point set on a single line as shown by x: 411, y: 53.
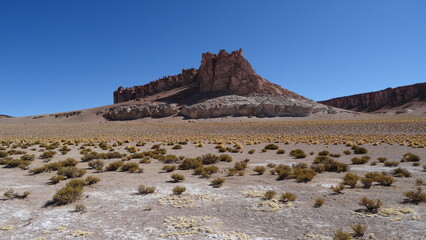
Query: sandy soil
x: 116, y: 211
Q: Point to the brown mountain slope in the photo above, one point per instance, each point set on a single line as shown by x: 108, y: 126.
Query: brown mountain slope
x: 388, y: 99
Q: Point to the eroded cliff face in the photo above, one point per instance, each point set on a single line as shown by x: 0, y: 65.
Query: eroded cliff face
x: 384, y: 99
x: 232, y: 73
x: 224, y: 85
x: 223, y: 73
x: 187, y: 77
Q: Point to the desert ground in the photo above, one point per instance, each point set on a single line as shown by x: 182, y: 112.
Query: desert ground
x: 246, y: 205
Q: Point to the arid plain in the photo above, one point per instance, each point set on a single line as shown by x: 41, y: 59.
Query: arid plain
x: 245, y: 178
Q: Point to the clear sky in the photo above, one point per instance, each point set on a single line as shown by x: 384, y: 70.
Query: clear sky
x: 62, y: 55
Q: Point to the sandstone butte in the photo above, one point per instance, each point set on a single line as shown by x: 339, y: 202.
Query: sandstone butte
x: 225, y: 84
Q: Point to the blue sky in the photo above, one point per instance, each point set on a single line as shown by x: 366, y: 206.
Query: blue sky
x: 60, y: 55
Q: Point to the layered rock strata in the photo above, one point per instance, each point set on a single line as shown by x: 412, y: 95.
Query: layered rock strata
x: 384, y: 99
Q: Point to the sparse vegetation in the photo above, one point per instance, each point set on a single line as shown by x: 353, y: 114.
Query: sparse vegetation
x: 178, y: 190
x: 319, y: 202
x: 415, y: 196
x: 218, y: 182
x: 298, y: 153
x: 287, y: 197
x: 341, y: 235
x: 359, y: 230
x: 143, y: 190
x: 350, y: 179
x: 371, y: 205
x: 409, y: 157
x: 177, y: 177
x: 259, y: 169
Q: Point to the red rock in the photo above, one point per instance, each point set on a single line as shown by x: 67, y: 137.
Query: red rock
x: 384, y: 99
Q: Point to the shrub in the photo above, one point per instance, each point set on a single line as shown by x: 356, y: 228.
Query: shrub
x: 303, y: 175
x: 271, y: 165
x: 401, y: 172
x: 170, y: 159
x: 335, y: 155
x: 375, y: 176
x: 169, y: 168
x: 271, y: 147
x: 231, y: 171
x: 385, y: 180
x: 382, y: 159
x: 341, y: 235
x: 67, y: 195
x: 132, y: 149
x: 298, y: 153
x: 114, y: 166
x: 11, y: 194
x: 13, y: 163
x: 143, y: 190
x: 416, y: 164
x: 209, y: 159
x: 350, y: 179
x: 347, y: 152
x: 269, y: 195
x: 56, y: 179
x: 190, y: 163
x: 280, y: 151
x: 69, y: 162
x: 366, y: 182
x: 359, y: 230
x: 225, y: 158
x: 324, y: 153
x: 241, y: 173
x: 419, y: 182
x: 319, y: 202
x: 131, y: 167
x: 97, y: 164
x: 361, y: 160
x: 409, y: 157
x: 218, y: 182
x: 338, y: 189
x: 211, y: 169
x: 178, y: 190
x: 47, y: 154
x: 27, y: 157
x: 323, y: 163
x: 260, y: 170
x: 177, y: 146
x: 415, y: 197
x: 287, y: 197
x: 71, y: 172
x: 371, y: 205
x: 177, y: 177
x: 251, y: 151
x: 80, y: 208
x: 359, y: 150
x: 90, y: 180
x: 391, y: 164
x: 424, y: 168
x: 240, y: 165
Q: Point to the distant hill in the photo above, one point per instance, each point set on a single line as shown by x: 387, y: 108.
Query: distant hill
x: 4, y: 116
x: 398, y: 99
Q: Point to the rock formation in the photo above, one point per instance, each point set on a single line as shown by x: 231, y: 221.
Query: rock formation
x: 224, y: 85
x: 224, y: 73
x: 187, y: 77
x: 384, y: 99
x: 233, y: 74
